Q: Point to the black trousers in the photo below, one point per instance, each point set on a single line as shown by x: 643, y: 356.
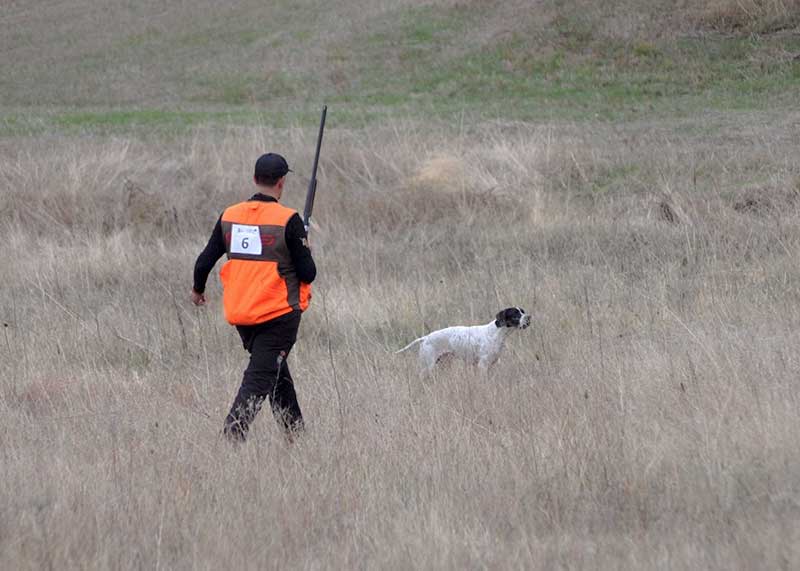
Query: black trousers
x: 267, y: 376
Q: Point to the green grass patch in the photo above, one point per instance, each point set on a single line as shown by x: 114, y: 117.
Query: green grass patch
x: 245, y: 88
x: 13, y: 125
x: 404, y: 48
x: 156, y: 121
x: 166, y: 122
x: 417, y: 60
x: 609, y: 79
x: 104, y: 120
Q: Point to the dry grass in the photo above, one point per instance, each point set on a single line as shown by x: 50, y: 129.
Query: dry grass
x: 752, y: 15
x: 648, y: 419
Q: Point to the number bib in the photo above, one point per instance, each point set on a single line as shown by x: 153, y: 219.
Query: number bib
x: 245, y: 240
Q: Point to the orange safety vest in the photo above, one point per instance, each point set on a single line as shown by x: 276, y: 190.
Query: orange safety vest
x: 259, y: 282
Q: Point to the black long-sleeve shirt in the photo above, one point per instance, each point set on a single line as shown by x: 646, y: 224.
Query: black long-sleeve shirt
x: 295, y: 234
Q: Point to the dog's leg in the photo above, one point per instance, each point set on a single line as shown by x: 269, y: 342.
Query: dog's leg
x: 484, y: 364
x: 427, y: 358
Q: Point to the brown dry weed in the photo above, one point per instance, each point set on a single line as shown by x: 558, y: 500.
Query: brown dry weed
x: 647, y: 419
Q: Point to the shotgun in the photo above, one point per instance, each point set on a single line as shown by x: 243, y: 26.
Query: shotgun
x: 312, y: 184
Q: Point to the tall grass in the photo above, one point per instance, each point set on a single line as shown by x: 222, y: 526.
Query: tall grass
x: 648, y: 419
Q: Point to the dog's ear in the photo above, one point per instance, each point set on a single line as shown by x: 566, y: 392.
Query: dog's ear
x: 500, y: 318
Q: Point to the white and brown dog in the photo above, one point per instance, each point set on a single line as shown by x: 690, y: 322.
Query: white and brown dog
x: 480, y: 345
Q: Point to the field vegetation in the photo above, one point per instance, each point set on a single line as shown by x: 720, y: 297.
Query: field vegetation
x: 626, y: 171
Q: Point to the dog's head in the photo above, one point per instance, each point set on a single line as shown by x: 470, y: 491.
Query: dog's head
x: 512, y: 317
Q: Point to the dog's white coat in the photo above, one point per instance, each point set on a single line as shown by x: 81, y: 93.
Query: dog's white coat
x: 480, y: 345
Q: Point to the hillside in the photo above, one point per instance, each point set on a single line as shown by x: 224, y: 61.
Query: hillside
x: 86, y: 64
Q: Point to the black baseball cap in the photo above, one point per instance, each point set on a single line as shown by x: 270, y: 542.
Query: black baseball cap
x: 271, y: 166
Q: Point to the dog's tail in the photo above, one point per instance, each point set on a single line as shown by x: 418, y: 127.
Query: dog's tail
x: 410, y: 345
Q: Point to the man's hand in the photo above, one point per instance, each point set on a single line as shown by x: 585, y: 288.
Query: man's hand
x: 198, y: 298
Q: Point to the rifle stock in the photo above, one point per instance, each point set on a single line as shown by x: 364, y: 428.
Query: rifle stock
x: 312, y: 183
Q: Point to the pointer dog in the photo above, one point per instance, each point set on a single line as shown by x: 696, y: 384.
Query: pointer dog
x: 479, y: 345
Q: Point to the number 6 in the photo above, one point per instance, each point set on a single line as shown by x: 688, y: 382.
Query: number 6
x: 245, y: 243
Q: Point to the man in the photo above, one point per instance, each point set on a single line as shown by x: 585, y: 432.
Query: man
x: 266, y: 287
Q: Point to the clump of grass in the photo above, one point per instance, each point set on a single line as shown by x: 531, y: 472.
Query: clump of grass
x: 760, y: 16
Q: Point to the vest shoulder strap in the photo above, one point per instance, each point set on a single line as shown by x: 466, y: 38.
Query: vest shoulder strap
x: 258, y: 212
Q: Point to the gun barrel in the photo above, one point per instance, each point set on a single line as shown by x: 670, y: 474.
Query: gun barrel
x: 312, y: 183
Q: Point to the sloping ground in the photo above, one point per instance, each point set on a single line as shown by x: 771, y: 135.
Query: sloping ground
x: 498, y: 59
x: 94, y: 52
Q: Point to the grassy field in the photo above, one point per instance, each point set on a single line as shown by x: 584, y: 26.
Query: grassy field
x: 626, y: 171
x: 161, y: 67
